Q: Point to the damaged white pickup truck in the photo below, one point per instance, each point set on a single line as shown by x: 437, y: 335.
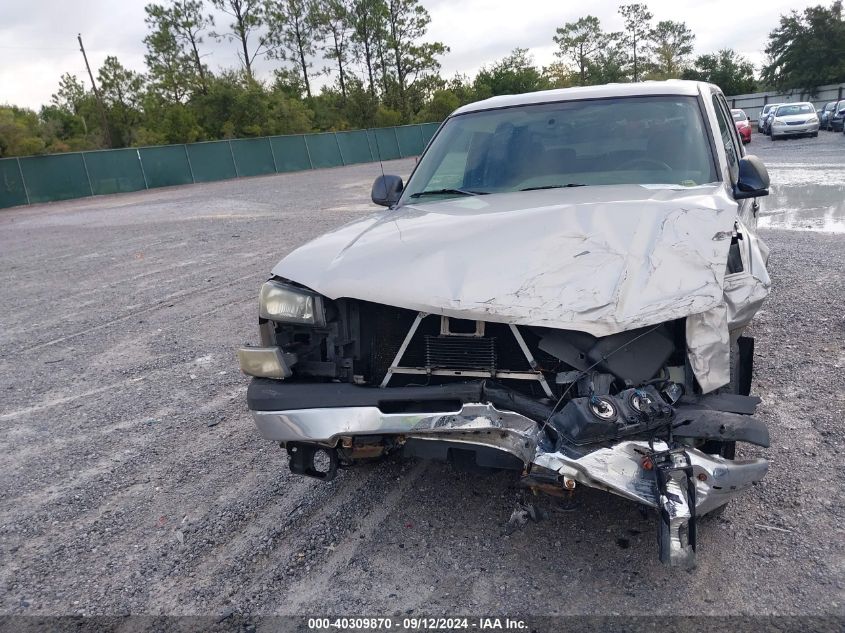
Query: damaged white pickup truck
x: 560, y: 289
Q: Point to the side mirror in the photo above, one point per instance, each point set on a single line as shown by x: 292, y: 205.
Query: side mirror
x: 387, y: 190
x: 753, y: 180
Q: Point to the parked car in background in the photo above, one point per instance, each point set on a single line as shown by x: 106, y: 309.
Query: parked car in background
x: 743, y: 125
x: 567, y: 307
x: 837, y: 116
x: 794, y: 119
x: 824, y: 115
x: 764, y: 115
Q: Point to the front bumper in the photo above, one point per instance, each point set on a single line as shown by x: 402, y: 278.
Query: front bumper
x: 795, y: 130
x: 334, y: 415
x: 618, y: 467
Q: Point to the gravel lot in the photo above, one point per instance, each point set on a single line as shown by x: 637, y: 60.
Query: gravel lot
x: 134, y: 481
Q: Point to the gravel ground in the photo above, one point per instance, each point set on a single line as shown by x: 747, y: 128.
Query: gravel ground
x: 134, y: 481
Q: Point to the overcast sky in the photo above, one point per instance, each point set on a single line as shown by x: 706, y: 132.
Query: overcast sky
x: 38, y: 37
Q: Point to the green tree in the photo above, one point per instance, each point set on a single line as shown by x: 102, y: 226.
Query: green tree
x: 122, y: 91
x: 637, y: 29
x: 334, y: 25
x: 730, y: 71
x: 287, y: 116
x: 19, y: 132
x: 189, y: 23
x: 292, y: 34
x: 560, y: 75
x: 361, y: 105
x: 611, y: 63
x: 180, y: 24
x: 168, y: 122
x: 75, y: 105
x: 513, y: 74
x: 578, y: 43
x: 170, y: 69
x: 412, y: 59
x: 807, y: 50
x: 248, y: 17
x: 441, y: 105
x: 368, y: 32
x: 671, y: 43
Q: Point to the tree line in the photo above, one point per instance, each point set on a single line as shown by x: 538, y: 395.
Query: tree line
x: 376, y: 67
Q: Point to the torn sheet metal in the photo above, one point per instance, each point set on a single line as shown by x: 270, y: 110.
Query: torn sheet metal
x: 595, y: 259
x: 708, y: 333
x: 619, y: 469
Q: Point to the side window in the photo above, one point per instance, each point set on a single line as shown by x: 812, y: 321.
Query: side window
x: 728, y: 134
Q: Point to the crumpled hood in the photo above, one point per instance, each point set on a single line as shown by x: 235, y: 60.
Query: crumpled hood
x: 596, y: 259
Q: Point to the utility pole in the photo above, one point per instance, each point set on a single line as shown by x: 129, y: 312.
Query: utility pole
x: 96, y: 93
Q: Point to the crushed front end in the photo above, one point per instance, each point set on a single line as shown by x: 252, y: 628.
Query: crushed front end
x: 339, y: 382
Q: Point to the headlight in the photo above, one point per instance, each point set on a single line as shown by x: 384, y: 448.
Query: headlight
x: 813, y: 119
x: 280, y: 302
x: 778, y: 121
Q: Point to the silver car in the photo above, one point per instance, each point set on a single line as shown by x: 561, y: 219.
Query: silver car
x: 547, y: 294
x: 825, y: 114
x: 794, y: 119
x: 764, y: 117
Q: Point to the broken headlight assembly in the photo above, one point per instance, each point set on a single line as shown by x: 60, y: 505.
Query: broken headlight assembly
x: 288, y: 304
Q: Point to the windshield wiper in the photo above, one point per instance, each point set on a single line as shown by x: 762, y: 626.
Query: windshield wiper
x: 570, y: 184
x: 459, y: 192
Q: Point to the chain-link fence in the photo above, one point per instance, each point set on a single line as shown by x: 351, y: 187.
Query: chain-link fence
x: 33, y: 179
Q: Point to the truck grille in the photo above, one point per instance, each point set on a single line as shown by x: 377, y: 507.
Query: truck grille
x: 384, y: 328
x: 460, y: 352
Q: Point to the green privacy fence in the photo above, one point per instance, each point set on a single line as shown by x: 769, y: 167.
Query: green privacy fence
x: 34, y: 179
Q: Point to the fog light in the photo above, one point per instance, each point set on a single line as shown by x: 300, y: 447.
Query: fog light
x: 263, y: 362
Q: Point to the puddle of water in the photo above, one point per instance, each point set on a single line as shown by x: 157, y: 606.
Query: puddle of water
x: 807, y: 175
x: 809, y: 198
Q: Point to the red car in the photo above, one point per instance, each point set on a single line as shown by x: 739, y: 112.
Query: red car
x: 743, y: 125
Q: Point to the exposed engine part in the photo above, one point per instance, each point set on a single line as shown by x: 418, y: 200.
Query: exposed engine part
x: 597, y: 418
x: 633, y: 356
x: 469, y: 353
x: 595, y: 383
x: 641, y: 400
x: 672, y: 392
x: 602, y: 408
x: 460, y: 352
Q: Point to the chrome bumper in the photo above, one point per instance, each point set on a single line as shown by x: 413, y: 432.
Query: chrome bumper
x: 482, y: 424
x: 786, y: 130
x: 621, y: 468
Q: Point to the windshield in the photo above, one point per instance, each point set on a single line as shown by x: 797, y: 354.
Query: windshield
x: 630, y: 140
x: 798, y: 108
x: 739, y: 115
